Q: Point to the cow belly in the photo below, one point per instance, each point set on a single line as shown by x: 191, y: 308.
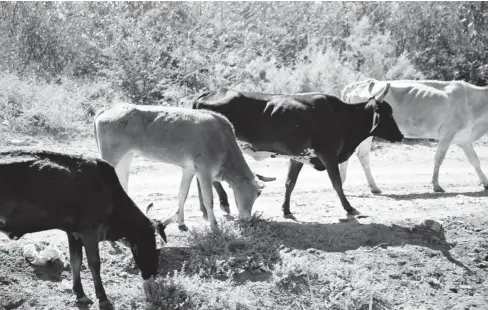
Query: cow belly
x: 307, y: 157
x: 419, y: 127
x: 18, y: 218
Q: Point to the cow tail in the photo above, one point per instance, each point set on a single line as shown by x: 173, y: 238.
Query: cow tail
x: 95, y: 122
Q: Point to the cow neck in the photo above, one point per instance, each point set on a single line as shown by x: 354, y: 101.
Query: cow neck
x: 235, y: 171
x: 357, y: 124
x: 132, y: 223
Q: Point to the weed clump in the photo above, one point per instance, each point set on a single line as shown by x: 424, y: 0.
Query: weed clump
x: 239, y: 247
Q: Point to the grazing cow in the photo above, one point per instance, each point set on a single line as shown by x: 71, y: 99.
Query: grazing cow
x: 451, y: 112
x: 312, y: 128
x: 81, y: 196
x: 202, y: 143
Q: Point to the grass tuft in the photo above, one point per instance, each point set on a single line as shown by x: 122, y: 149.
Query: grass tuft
x: 239, y: 247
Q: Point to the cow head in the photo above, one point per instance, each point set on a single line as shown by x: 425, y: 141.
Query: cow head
x: 247, y: 193
x: 383, y: 123
x: 158, y: 225
x: 145, y: 250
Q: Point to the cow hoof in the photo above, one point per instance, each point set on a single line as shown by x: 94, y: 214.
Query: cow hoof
x: 183, y: 227
x: 84, y: 301
x: 439, y: 189
x: 352, y: 213
x: 376, y: 191
x: 289, y: 216
x: 225, y: 207
x: 105, y: 305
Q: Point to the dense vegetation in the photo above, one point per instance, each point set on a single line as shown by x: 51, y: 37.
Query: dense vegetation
x: 87, y: 54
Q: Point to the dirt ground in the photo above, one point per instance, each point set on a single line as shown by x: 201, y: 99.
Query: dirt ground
x: 410, y: 267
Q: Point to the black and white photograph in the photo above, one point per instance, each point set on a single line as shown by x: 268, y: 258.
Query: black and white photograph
x: 243, y: 155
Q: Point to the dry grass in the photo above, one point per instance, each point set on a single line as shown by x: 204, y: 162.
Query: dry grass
x: 33, y: 106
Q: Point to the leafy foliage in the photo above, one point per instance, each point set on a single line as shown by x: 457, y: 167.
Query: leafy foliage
x: 168, y: 52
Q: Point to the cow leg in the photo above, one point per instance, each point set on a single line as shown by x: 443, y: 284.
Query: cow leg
x: 363, y: 151
x: 90, y: 240
x: 343, y: 170
x: 202, y: 206
x: 119, y: 157
x: 122, y: 168
x: 186, y: 178
x: 294, y: 168
x: 475, y: 161
x: 207, y: 196
x: 224, y: 201
x: 76, y: 258
x: 335, y: 177
x: 440, y: 154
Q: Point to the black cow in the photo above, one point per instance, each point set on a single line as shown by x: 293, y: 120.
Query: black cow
x: 313, y: 128
x: 82, y: 196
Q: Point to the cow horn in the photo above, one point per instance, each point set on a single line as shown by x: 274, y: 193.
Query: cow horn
x: 149, y: 208
x: 370, y: 88
x: 160, y: 227
x: 382, y: 95
x: 169, y: 221
x: 265, y: 179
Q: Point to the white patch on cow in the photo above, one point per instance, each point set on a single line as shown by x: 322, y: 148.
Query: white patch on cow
x: 248, y: 149
x: 251, y: 151
x: 305, y: 156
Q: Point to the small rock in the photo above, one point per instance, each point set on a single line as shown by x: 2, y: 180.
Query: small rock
x: 486, y: 258
x: 483, y: 265
x: 433, y: 224
x: 465, y: 287
x: 453, y: 289
x: 312, y: 251
x: 478, y: 229
x: 19, y: 142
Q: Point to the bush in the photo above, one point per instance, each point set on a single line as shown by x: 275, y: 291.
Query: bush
x: 239, y: 247
x: 31, y: 105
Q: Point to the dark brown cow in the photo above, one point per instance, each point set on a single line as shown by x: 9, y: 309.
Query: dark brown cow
x: 81, y: 196
x: 312, y: 128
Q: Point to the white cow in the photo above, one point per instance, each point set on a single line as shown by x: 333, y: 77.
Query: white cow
x: 202, y: 143
x: 452, y: 112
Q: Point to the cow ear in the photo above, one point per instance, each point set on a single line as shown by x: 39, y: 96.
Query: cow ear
x: 376, y: 121
x: 161, y: 232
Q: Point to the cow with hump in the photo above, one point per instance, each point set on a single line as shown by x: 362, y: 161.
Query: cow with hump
x: 451, y: 112
x: 312, y: 128
x: 202, y: 143
x: 82, y: 196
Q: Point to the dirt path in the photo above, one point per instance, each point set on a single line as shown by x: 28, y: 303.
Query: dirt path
x: 409, y: 268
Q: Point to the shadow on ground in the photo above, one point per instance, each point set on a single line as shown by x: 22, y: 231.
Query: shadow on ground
x: 51, y: 271
x: 433, y: 195
x: 341, y: 237
x: 352, y: 235
x: 172, y: 259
